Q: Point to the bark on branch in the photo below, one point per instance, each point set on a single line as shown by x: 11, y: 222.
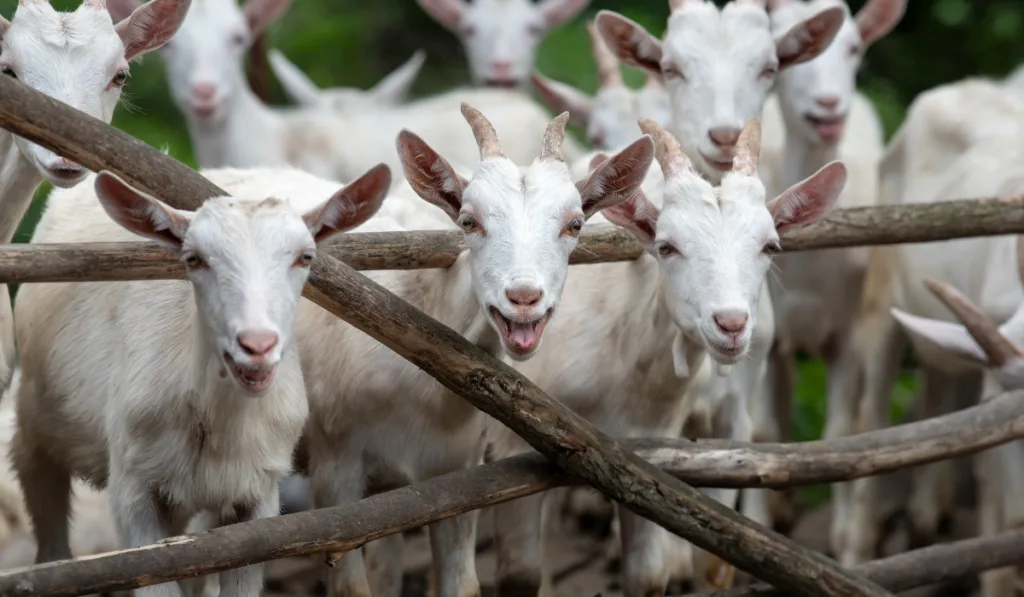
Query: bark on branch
x: 490, y: 385
x: 704, y: 463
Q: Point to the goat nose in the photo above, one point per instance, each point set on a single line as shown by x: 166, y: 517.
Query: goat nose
x: 829, y: 102
x: 204, y: 91
x: 524, y: 296
x: 257, y: 343
x: 724, y: 136
x: 501, y: 67
x: 731, y: 322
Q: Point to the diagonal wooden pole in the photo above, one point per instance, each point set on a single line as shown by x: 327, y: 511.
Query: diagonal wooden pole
x: 490, y: 385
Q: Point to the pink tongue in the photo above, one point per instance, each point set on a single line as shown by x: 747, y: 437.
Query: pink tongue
x: 830, y: 130
x: 522, y: 335
x: 257, y: 375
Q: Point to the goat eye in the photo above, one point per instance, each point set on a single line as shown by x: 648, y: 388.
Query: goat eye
x: 574, y: 226
x: 671, y: 72
x: 238, y: 39
x: 304, y: 260
x: 666, y: 249
x: 9, y: 72
x: 193, y: 261
x: 771, y: 248
x: 467, y: 222
x: 119, y: 78
x: 854, y: 50
x: 769, y: 71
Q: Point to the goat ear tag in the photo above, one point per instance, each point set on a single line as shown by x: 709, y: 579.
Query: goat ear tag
x: 679, y: 357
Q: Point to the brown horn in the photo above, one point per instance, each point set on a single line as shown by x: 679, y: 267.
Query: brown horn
x: 554, y: 136
x: 670, y: 154
x: 748, y: 148
x: 483, y: 131
x: 984, y: 331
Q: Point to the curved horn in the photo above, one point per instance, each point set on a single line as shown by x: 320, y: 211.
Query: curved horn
x: 608, y: 72
x: 984, y: 331
x: 554, y: 136
x: 748, y: 148
x: 483, y: 131
x: 670, y: 154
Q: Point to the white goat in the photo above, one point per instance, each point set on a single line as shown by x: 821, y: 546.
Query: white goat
x: 718, y: 66
x: 230, y: 126
x: 379, y: 422
x: 81, y: 59
x: 610, y: 116
x: 201, y: 401
x: 693, y: 292
x: 501, y: 37
x: 816, y: 293
x: 390, y: 91
x: 958, y: 141
x: 996, y: 348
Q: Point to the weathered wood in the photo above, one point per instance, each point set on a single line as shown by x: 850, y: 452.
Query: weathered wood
x: 711, y: 463
x: 939, y: 563
x: 487, y: 383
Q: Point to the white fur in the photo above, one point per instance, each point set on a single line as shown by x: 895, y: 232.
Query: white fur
x: 501, y: 37
x: 171, y: 427
x: 80, y: 59
x: 390, y: 91
x: 956, y: 142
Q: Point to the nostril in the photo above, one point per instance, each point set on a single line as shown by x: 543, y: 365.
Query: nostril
x: 501, y: 67
x: 524, y: 296
x: 204, y: 91
x: 257, y: 343
x: 724, y: 136
x: 731, y: 323
x: 829, y: 102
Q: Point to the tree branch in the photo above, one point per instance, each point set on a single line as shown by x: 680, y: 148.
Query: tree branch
x: 490, y: 385
x: 706, y: 463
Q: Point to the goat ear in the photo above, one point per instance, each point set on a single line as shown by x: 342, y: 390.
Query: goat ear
x: 564, y: 98
x: 629, y: 41
x: 4, y: 26
x: 300, y: 88
x: 618, y: 178
x: 636, y: 214
x: 394, y: 88
x: 806, y: 40
x: 150, y: 26
x: 446, y: 12
x: 140, y: 213
x: 952, y: 337
x: 808, y: 200
x: 261, y: 13
x: 557, y: 12
x: 430, y: 175
x: 877, y: 18
x: 121, y: 9
x: 351, y: 206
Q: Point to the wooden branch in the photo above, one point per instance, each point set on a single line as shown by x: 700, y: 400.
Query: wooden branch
x: 487, y: 383
x: 711, y: 463
x: 938, y: 563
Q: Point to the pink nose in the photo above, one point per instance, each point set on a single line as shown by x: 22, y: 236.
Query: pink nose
x: 524, y: 296
x: 724, y: 136
x: 731, y: 322
x: 257, y: 343
x: 502, y: 68
x: 204, y: 92
x: 829, y: 102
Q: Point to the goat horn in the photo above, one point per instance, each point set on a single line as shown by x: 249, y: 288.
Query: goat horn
x: 984, y: 331
x: 483, y: 131
x: 670, y: 154
x: 554, y: 136
x: 608, y: 72
x: 748, y: 148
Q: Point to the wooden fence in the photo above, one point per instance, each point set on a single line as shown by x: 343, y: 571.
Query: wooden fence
x: 570, y: 443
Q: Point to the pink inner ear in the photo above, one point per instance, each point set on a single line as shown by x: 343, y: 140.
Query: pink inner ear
x: 878, y: 18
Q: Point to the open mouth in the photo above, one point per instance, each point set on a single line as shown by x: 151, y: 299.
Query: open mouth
x: 726, y: 353
x: 204, y: 111
x: 829, y: 128
x: 519, y: 337
x: 253, y: 379
x: 716, y: 163
x: 502, y: 83
x: 66, y: 174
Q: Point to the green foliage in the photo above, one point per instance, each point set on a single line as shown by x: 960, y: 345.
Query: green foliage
x: 355, y: 43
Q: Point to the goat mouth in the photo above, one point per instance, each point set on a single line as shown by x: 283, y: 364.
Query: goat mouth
x: 253, y: 379
x: 717, y: 164
x: 519, y: 337
x: 829, y: 128
x: 204, y: 111
x: 65, y: 175
x: 502, y: 83
x: 726, y: 353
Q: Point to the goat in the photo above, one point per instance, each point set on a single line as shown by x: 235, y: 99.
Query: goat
x: 202, y: 399
x: 501, y: 37
x: 693, y: 292
x: 610, y: 116
x: 389, y: 92
x: 34, y: 48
